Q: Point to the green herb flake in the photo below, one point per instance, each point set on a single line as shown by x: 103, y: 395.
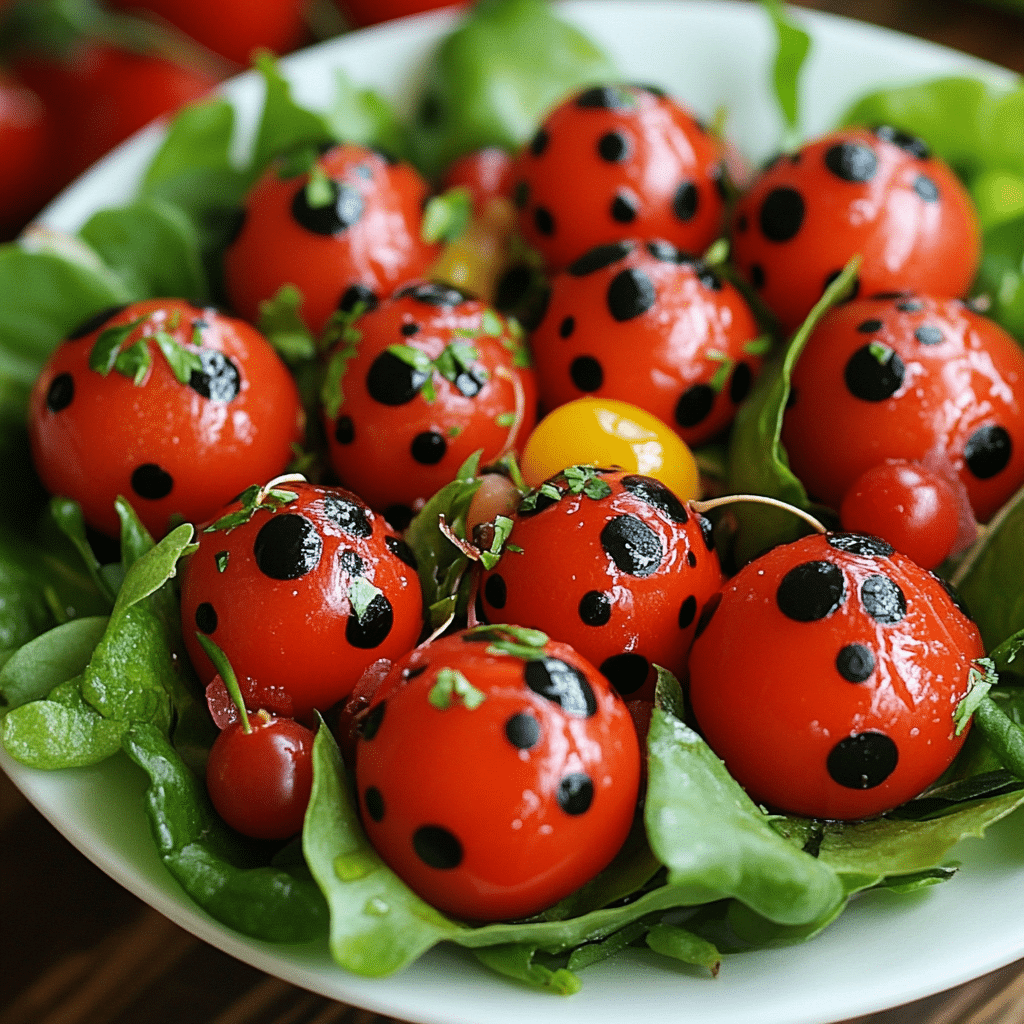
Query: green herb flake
x: 182, y: 361
x: 252, y: 499
x: 320, y: 190
x: 491, y: 324
x: 221, y: 560
x: 980, y: 680
x: 452, y: 685
x: 107, y: 346
x: 446, y: 217
x: 361, y: 594
x: 134, y: 362
x: 505, y: 419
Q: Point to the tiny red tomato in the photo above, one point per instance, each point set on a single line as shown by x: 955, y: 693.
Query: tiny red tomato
x: 486, y: 173
x: 25, y: 137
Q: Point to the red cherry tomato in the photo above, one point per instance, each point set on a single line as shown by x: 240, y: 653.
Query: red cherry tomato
x: 614, y: 564
x: 372, y: 12
x: 497, y: 772
x: 111, y: 415
x: 617, y: 162
x: 828, y: 674
x: 916, y: 511
x: 302, y: 588
x: 486, y: 173
x: 879, y: 194
x: 908, y: 377
x: 357, y: 247
x: 25, y: 135
x: 259, y: 781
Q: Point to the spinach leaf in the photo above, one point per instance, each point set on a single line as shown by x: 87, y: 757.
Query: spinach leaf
x: 793, y: 44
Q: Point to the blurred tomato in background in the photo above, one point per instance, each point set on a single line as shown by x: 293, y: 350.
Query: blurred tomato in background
x: 24, y: 153
x: 360, y: 13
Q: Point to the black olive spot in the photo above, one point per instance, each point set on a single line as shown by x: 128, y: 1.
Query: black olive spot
x: 409, y: 328
x: 575, y: 793
x: 630, y: 294
x: 687, y: 612
x: 626, y: 672
x: 707, y: 613
x: 988, y: 451
x: 632, y: 545
x: 595, y: 608
x: 351, y: 563
x: 862, y: 761
x: 522, y: 730
x: 495, y: 591
x: 370, y: 724
x: 757, y: 278
x: 414, y: 671
x: 666, y: 252
x: 344, y: 209
x: 686, y: 201
x: 521, y: 194
x: 544, y: 221
x: 469, y: 382
x: 353, y: 518
x: 356, y: 295
x: 218, y: 380
x: 287, y: 547
x: 374, y: 801
x: 539, y: 142
x: 623, y: 209
x: 694, y: 404
x: 811, y: 591
x: 371, y: 628
x: 928, y: 334
x: 691, y: 559
x: 599, y: 257
x: 910, y: 306
x: 613, y: 147
x: 908, y: 143
x: 152, y: 482
x: 398, y: 517
x: 883, y: 599
x: 586, y: 373
x: 437, y: 847
x: 392, y: 381
x: 206, y: 618
x: 654, y: 493
x: 707, y: 531
x: 869, y: 326
x: 402, y: 552
x: 861, y: 544
x: 563, y: 684
x: 874, y: 373
x: 432, y: 293
x: 852, y: 161
x: 739, y: 386
x: 708, y: 278
x: 344, y: 430
x: 605, y: 97
x: 855, y: 663
x: 428, y: 448
x: 61, y: 392
x: 566, y: 327
x: 781, y: 214
x: 926, y: 188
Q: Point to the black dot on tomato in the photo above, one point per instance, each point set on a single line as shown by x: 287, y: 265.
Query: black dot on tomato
x: 522, y: 730
x: 401, y: 550
x: 575, y: 793
x: 595, y: 608
x: 152, y: 482
x: 344, y: 430
x: 627, y: 672
x: 586, y: 373
x: 606, y: 97
x: 911, y: 144
x: 351, y: 563
x: 392, y: 381
x: 694, y: 405
x: 686, y: 201
x: 544, y: 221
x: 358, y: 296
x: 372, y: 626
x: 757, y: 276
x: 539, y: 142
x: 566, y: 327
x: 218, y: 379
x: 563, y: 684
x: 206, y: 618
x: 630, y: 294
x: 287, y: 547
x: 495, y: 591
x: 654, y: 493
x: 370, y: 724
x: 926, y: 188
x: 687, y: 612
x: 861, y: 544
x: 869, y: 326
x: 61, y: 392
x: 883, y: 599
x: 632, y: 545
x: 740, y: 383
x: 851, y: 161
x: 691, y: 559
x: 707, y: 531
x: 613, y: 147
x: 666, y: 252
x: 988, y: 451
x: 428, y: 448
x: 929, y: 334
x: 433, y: 293
x: 905, y: 305
x: 707, y: 613
x: 874, y: 373
x: 373, y: 800
x: 855, y: 663
x: 343, y: 209
x: 623, y: 208
x: 781, y: 214
x: 811, y: 591
x: 437, y: 847
x: 599, y: 257
x: 862, y: 761
x: 352, y: 517
x: 521, y: 194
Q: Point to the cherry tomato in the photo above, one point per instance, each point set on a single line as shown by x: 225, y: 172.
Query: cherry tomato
x: 24, y: 172
x: 354, y: 248
x: 915, y: 511
x: 486, y: 173
x: 879, y: 194
x: 435, y: 376
x: 615, y: 162
x: 497, y: 772
x: 828, y: 674
x: 175, y: 407
x: 908, y: 377
x: 302, y: 587
x: 649, y: 324
x: 608, y: 432
x: 612, y: 563
x: 259, y: 780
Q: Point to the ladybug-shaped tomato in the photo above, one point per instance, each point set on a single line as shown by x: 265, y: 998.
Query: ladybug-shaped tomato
x: 648, y: 324
x: 828, y: 675
x: 302, y: 587
x: 877, y: 194
x: 612, y: 563
x: 614, y: 162
x: 914, y: 378
x: 346, y: 232
x: 174, y: 407
x: 434, y: 376
x: 497, y: 772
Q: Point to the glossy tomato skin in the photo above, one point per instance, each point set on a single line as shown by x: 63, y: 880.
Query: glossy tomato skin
x: 170, y: 448
x: 617, y: 162
x: 260, y: 781
x: 301, y: 597
x: 908, y: 377
x: 354, y: 250
x: 24, y: 170
x: 827, y: 676
x: 648, y: 324
x: 486, y: 173
x: 622, y: 576
x: 436, y: 376
x: 879, y: 194
x: 494, y: 800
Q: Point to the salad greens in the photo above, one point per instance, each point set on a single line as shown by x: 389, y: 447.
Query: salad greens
x: 91, y: 662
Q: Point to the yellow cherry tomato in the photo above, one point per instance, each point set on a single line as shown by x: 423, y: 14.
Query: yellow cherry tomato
x: 608, y: 433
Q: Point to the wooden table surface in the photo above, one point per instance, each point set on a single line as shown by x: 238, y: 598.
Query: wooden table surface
x: 76, y: 948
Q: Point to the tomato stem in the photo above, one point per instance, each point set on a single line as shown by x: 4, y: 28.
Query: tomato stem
x: 759, y: 499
